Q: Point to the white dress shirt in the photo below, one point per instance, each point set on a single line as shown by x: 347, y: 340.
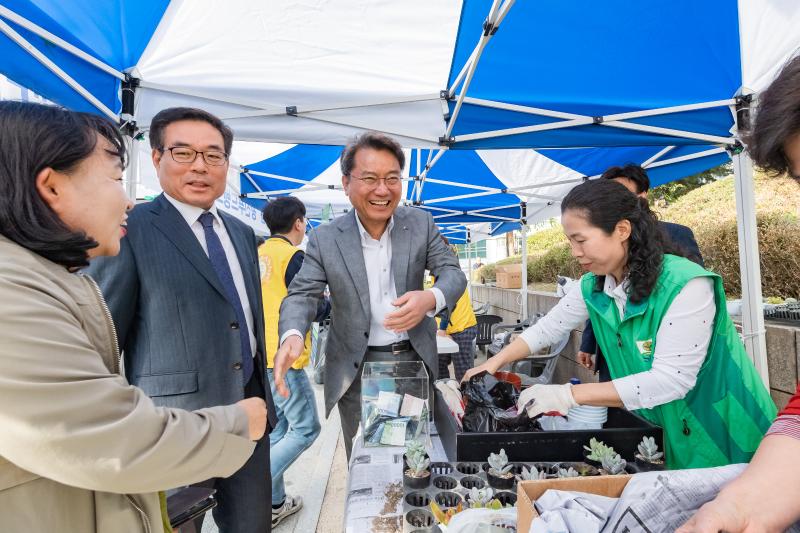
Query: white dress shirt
x: 680, y: 344
x: 382, y: 290
x: 191, y: 214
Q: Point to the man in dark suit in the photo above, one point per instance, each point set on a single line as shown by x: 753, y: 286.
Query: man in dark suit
x: 635, y: 179
x: 184, y: 296
x: 373, y: 259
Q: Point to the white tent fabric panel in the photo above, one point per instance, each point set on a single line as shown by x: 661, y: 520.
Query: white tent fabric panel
x: 768, y: 38
x: 321, y: 55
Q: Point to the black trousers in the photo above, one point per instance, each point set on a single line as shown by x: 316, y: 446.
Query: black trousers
x: 244, y: 498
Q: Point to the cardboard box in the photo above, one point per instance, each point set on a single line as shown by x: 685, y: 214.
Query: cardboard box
x: 509, y: 276
x: 529, y: 491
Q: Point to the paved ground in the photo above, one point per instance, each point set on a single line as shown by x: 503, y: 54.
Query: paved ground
x: 320, y: 477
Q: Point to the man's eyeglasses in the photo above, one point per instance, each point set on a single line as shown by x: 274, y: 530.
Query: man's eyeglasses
x: 372, y: 182
x: 183, y: 154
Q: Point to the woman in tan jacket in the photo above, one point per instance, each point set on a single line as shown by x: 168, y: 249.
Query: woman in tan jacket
x: 81, y: 450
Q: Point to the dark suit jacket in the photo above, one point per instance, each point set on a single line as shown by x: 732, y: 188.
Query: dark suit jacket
x: 334, y: 257
x: 173, y: 321
x: 679, y: 235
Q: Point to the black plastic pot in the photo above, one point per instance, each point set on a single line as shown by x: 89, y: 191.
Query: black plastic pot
x: 500, y: 483
x: 416, y: 482
x: 584, y: 469
x: 590, y: 461
x: 647, y: 466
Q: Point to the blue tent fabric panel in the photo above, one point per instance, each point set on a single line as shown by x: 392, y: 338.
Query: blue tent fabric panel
x: 462, y: 167
x: 473, y: 119
x: 115, y: 32
x: 594, y: 161
x: 304, y: 162
x: 643, y: 63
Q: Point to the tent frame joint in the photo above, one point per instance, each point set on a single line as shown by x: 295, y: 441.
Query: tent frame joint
x: 447, y: 141
x: 598, y: 120
x: 291, y: 110
x: 735, y: 149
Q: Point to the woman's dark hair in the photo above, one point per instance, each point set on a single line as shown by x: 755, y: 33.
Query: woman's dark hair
x: 604, y: 203
x: 281, y: 213
x: 777, y: 119
x: 34, y: 137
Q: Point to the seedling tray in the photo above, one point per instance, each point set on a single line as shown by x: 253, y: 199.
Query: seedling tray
x: 623, y: 431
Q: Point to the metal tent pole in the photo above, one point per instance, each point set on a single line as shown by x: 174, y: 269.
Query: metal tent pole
x: 523, y: 291
x: 752, y: 304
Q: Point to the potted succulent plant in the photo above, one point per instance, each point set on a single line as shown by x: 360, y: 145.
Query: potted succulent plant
x: 594, y: 453
x: 614, y: 465
x: 477, y: 498
x: 583, y: 469
x: 532, y: 474
x: 499, y: 474
x: 414, y: 447
x: 648, y: 457
x: 567, y: 472
x: 418, y: 474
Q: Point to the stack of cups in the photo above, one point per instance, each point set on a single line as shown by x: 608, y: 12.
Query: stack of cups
x: 587, y: 417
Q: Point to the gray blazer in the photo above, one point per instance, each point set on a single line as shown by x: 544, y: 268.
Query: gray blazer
x: 334, y: 257
x: 173, y: 322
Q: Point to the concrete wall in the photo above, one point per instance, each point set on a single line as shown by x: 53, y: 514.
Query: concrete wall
x: 783, y: 342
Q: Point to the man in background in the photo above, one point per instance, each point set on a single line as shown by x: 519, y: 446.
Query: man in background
x: 298, y: 423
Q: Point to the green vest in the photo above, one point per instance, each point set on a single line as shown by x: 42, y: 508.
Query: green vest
x: 724, y: 417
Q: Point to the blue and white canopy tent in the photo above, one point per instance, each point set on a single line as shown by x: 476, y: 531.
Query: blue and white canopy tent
x: 443, y: 75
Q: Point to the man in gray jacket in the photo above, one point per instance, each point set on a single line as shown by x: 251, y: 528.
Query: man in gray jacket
x: 373, y: 259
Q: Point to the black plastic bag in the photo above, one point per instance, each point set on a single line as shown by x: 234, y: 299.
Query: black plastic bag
x: 491, y: 407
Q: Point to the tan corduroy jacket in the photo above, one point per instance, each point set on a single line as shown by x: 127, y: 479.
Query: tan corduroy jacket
x: 81, y: 450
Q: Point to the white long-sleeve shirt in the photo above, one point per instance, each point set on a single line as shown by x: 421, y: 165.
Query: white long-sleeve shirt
x: 680, y: 344
x: 382, y: 290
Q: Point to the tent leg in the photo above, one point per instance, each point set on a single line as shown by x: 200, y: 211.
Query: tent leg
x: 750, y: 268
x: 132, y: 172
x: 469, y: 269
x: 523, y: 291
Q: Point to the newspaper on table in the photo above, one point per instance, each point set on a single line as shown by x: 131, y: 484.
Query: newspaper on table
x: 652, y: 502
x: 375, y: 490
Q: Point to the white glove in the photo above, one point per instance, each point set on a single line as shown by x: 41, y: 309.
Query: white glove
x: 452, y: 396
x: 545, y: 399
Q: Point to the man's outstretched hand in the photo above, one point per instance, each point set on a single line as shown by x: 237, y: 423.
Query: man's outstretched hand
x: 287, y: 354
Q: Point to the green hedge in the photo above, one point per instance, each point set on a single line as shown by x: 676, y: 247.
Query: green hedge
x: 711, y: 212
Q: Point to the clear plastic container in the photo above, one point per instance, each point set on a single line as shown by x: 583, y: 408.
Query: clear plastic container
x: 395, y: 403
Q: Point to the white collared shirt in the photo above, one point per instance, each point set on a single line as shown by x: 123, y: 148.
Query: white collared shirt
x: 680, y: 344
x: 382, y: 290
x: 191, y: 214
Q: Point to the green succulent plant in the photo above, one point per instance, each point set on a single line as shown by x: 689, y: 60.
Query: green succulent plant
x: 648, y: 450
x: 498, y: 464
x: 532, y: 474
x: 614, y: 464
x: 567, y: 472
x: 597, y: 450
x: 418, y: 465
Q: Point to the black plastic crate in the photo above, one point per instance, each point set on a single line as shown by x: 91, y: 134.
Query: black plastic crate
x: 623, y: 431
x: 787, y: 312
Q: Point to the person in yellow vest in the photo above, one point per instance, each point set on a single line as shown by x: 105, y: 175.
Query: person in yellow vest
x: 298, y: 422
x: 462, y: 327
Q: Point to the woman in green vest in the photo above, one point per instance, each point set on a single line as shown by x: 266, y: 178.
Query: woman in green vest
x: 672, y: 351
